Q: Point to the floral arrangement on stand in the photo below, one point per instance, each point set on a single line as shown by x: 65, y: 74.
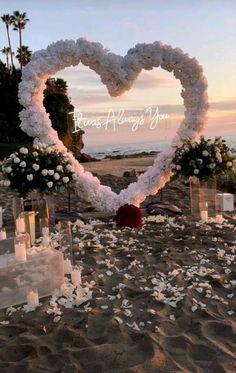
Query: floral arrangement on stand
x: 118, y: 74
x: 203, y: 159
x: 40, y: 168
x: 128, y: 216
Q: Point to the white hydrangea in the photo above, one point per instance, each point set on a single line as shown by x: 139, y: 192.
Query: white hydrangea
x: 229, y: 164
x: 196, y: 171
x: 205, y: 153
x: 44, y: 172
x: 8, y: 169
x: 23, y: 151
x: 69, y: 168
x: 35, y: 154
x: 16, y: 160
x: 51, y: 172
x: 178, y: 167
x: 56, y: 176
x: 22, y: 164
x: 50, y: 184
x: 59, y: 168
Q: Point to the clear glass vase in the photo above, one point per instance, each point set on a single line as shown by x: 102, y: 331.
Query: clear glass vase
x: 203, y: 196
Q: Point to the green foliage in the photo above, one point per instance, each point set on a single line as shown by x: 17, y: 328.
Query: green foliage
x: 203, y: 159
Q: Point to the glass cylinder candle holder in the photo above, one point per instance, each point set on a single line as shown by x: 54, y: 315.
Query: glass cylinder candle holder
x: 20, y: 249
x: 29, y: 217
x: 44, y: 226
x: 20, y: 224
x: 32, y: 298
x: 65, y: 239
x: 3, y: 233
x: 203, y: 207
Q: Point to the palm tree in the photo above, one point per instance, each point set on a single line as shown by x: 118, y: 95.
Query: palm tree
x: 19, y: 21
x: 6, y: 51
x: 23, y: 55
x: 7, y: 19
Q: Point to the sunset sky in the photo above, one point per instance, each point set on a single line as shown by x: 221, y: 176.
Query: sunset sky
x: 205, y: 29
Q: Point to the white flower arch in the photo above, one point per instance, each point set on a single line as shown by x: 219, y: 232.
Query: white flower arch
x: 118, y: 74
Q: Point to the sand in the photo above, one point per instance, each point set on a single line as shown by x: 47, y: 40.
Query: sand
x: 163, y: 300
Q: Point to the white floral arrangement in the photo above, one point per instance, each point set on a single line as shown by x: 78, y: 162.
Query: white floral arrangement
x: 203, y: 159
x: 40, y: 168
x: 118, y: 74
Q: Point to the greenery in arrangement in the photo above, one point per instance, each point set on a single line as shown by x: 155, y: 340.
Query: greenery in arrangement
x: 38, y: 168
x: 203, y: 159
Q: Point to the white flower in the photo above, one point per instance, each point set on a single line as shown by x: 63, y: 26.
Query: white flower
x: 205, y: 153
x: 69, y: 167
x: 30, y: 177
x: 229, y: 164
x: 200, y: 161
x: 8, y: 169
x: 22, y: 164
x: 196, y: 171
x: 56, y: 176
x: 65, y: 179
x: 59, y: 168
x: 23, y: 151
x: 212, y: 165
x: 35, y: 154
x: 50, y: 184
x: 7, y: 183
x: 229, y: 153
x: 16, y: 160
x: 50, y: 172
x: 35, y: 166
x: 178, y: 167
x: 44, y: 172
x: 74, y: 176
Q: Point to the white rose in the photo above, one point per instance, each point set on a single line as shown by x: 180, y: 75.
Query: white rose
x: 36, y: 147
x: 35, y: 166
x: 22, y: 164
x: 8, y: 169
x: 29, y: 177
x: 200, y: 160
x: 16, y: 160
x: 59, y: 168
x: 229, y: 164
x: 178, y: 167
x: 74, y: 176
x: 229, y: 153
x: 35, y: 154
x: 23, y: 150
x: 69, y: 167
x: 212, y: 165
x: 56, y: 176
x: 50, y: 184
x: 7, y: 183
x: 196, y: 171
x: 205, y: 153
x: 50, y: 172
x: 65, y: 179
x: 44, y: 172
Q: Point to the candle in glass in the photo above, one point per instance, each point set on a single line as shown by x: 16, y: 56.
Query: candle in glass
x: 67, y: 266
x: 76, y: 276
x: 20, y: 251
x: 46, y: 241
x: 45, y: 231
x: 20, y: 225
x: 3, y: 234
x: 33, y: 299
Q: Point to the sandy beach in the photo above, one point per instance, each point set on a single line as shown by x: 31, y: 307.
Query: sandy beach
x: 163, y: 297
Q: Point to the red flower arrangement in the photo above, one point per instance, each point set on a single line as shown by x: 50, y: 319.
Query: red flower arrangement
x: 128, y: 216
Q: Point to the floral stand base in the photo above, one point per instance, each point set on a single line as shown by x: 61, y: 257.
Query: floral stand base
x: 43, y: 270
x: 203, y: 197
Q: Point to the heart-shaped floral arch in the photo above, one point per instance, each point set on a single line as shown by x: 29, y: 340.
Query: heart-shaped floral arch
x: 118, y: 74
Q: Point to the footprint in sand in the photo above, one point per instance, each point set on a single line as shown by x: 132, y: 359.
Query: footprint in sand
x: 221, y: 335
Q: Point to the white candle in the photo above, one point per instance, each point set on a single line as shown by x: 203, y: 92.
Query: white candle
x: 0, y: 216
x: 76, y: 277
x: 3, y: 234
x: 204, y: 215
x: 20, y: 225
x: 20, y: 252
x: 219, y: 219
x: 45, y: 231
x: 46, y: 241
x: 33, y: 299
x: 67, y: 266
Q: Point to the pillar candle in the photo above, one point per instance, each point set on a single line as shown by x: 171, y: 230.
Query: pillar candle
x: 219, y: 219
x: 3, y: 234
x: 204, y: 215
x: 76, y: 276
x: 20, y: 225
x: 45, y: 231
x: 67, y: 266
x: 20, y: 252
x: 33, y: 299
x: 46, y: 241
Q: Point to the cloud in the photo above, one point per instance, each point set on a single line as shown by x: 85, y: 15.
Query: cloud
x: 148, y: 80
x: 223, y: 105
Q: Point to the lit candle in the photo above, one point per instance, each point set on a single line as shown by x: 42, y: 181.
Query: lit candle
x: 67, y: 266
x: 76, y: 277
x: 20, y: 225
x: 20, y: 252
x: 33, y: 299
x: 3, y: 234
x: 219, y: 219
x: 0, y: 216
x: 204, y: 215
x: 46, y: 241
x: 45, y: 231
